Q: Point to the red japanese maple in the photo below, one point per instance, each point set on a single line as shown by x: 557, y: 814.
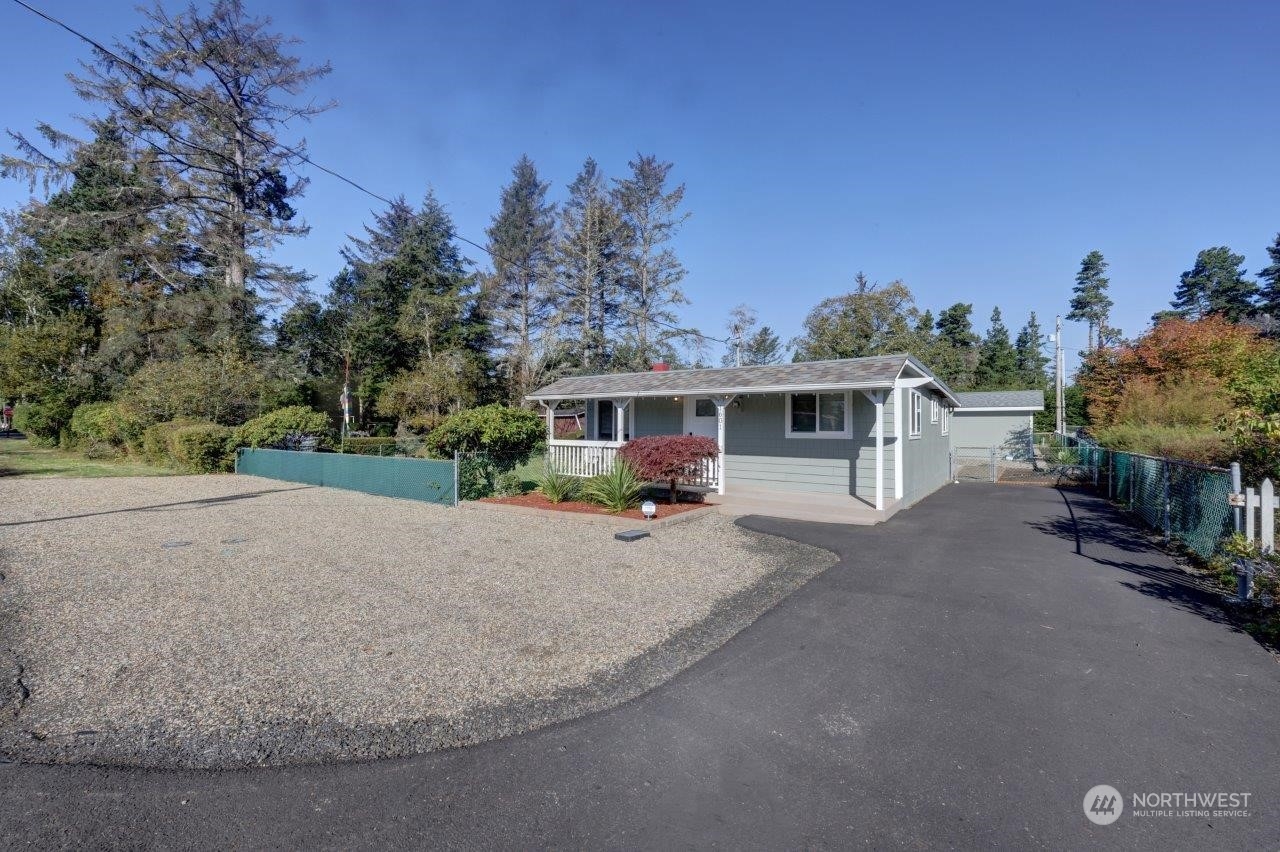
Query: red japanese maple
x: 669, y: 458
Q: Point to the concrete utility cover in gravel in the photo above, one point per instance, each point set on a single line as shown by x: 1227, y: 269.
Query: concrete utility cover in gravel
x: 338, y: 625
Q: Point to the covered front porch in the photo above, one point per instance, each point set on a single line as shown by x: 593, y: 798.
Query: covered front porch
x: 836, y: 446
x: 612, y: 421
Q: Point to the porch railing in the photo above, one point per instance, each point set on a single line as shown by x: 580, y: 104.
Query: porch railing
x: 582, y: 458
x: 588, y: 458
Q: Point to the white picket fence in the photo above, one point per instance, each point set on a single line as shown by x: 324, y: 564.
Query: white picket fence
x: 1259, y: 507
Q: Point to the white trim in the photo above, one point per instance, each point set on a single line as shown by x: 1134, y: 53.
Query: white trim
x: 720, y: 391
x: 877, y: 399
x: 934, y: 405
x: 915, y: 414
x: 690, y: 416
x: 899, y: 487
x: 1002, y: 408
x: 845, y: 434
x: 945, y: 426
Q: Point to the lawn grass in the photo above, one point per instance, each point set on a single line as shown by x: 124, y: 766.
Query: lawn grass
x: 18, y: 457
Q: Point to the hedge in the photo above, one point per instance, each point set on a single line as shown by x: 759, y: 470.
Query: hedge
x: 201, y: 448
x: 370, y: 446
x: 42, y: 422
x: 272, y: 427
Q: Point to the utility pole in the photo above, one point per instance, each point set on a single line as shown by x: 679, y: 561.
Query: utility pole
x: 346, y: 393
x: 1058, y: 369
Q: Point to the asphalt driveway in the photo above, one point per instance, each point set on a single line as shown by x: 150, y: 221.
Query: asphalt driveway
x: 962, y: 677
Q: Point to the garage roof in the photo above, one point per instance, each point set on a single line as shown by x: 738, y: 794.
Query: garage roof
x: 852, y: 373
x: 1022, y: 400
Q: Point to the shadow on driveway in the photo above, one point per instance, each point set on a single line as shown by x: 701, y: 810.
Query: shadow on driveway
x: 1102, y: 530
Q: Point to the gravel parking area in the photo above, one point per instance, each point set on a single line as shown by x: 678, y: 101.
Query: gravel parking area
x: 231, y: 621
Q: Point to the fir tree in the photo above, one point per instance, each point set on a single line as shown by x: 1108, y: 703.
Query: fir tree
x: 1215, y: 285
x: 1030, y: 353
x: 997, y: 359
x: 1090, y: 302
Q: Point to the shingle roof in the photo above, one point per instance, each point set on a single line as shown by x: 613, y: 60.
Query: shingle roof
x: 1002, y: 399
x: 878, y: 371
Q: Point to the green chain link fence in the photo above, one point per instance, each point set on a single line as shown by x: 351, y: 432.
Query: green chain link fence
x: 430, y: 480
x: 1184, y: 501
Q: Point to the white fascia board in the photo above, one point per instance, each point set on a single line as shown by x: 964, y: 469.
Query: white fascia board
x: 718, y: 391
x: 1013, y: 408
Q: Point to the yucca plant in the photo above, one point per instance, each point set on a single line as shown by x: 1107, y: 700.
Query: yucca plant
x: 558, y: 487
x: 617, y: 490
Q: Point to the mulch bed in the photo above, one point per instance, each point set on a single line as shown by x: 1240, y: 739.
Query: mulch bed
x: 537, y: 501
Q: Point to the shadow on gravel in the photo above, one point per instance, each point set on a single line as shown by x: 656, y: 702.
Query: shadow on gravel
x: 1106, y: 527
x: 207, y: 501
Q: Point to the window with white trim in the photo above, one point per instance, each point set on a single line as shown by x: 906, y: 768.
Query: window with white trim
x: 946, y: 419
x: 818, y: 415
x: 933, y: 409
x: 917, y: 413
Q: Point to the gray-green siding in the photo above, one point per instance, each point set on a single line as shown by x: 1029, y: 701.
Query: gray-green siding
x: 758, y: 453
x: 985, y: 429
x: 926, y: 465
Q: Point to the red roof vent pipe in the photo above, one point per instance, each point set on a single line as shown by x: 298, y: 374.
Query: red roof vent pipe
x: 661, y: 367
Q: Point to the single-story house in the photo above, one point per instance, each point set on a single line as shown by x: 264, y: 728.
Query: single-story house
x: 999, y: 419
x: 875, y: 430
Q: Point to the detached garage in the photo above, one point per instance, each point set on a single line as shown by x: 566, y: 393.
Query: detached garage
x: 987, y: 419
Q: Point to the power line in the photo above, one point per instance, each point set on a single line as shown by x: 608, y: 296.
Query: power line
x: 191, y: 100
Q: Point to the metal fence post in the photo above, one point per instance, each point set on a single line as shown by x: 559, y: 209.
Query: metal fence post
x: 1237, y: 514
x: 456, y: 456
x: 993, y: 464
x: 1165, y: 466
x: 1111, y: 475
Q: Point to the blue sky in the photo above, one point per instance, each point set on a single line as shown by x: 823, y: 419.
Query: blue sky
x: 975, y: 150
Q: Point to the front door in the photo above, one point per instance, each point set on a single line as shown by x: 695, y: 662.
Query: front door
x: 700, y: 417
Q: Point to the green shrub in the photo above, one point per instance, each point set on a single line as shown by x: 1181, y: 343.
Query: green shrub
x: 103, y: 424
x: 558, y: 487
x: 42, y: 422
x: 201, y: 448
x: 508, y: 435
x: 370, y: 446
x: 1200, y: 445
x: 223, y: 387
x: 509, y: 484
x: 157, y: 447
x: 272, y: 427
x: 617, y: 490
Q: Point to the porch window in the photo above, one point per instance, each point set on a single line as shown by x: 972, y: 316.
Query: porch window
x: 946, y: 419
x: 933, y: 409
x: 917, y: 414
x: 818, y: 415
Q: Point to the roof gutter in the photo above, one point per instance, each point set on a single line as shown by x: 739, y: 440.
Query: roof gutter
x: 714, y: 391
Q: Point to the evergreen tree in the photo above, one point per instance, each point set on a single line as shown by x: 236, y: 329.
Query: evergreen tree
x: 1215, y: 285
x: 997, y: 359
x: 752, y: 346
x: 589, y: 258
x: 652, y: 272
x: 1269, y: 297
x: 956, y: 349
x: 1090, y: 302
x: 1030, y: 353
x: 870, y: 320
x: 208, y: 95
x: 522, y: 245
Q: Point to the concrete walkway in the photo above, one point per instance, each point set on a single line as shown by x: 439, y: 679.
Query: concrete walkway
x: 961, y: 679
x: 802, y: 506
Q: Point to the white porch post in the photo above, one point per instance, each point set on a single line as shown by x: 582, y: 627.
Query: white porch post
x: 877, y: 399
x: 551, y: 418
x: 620, y: 417
x: 721, y: 402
